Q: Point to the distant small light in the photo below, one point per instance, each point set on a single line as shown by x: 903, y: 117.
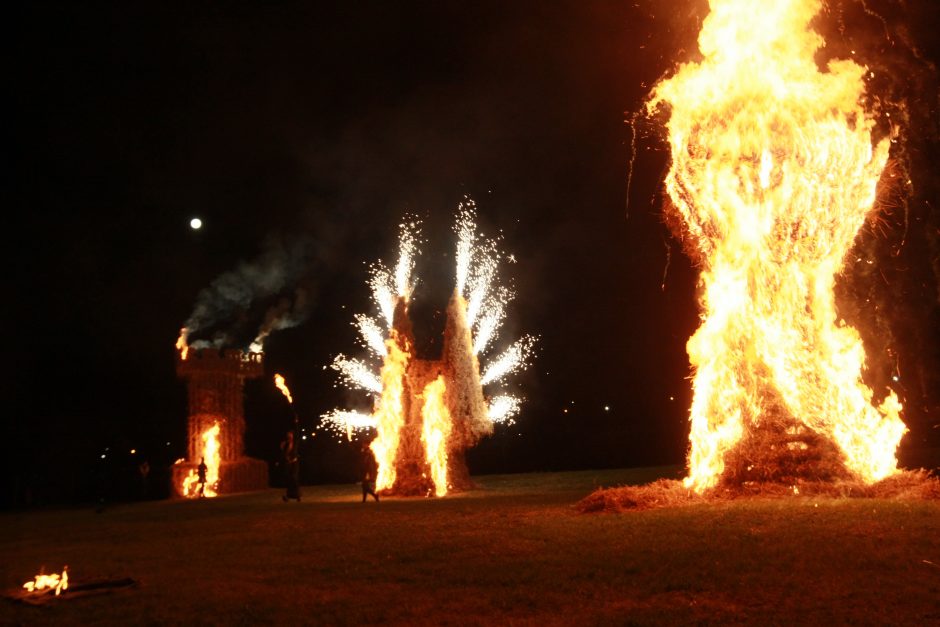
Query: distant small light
x: 895, y: 378
x: 303, y: 438
x: 103, y: 456
x: 133, y: 451
x: 606, y: 407
x: 195, y: 224
x: 565, y: 410
x: 672, y: 398
x: 167, y: 443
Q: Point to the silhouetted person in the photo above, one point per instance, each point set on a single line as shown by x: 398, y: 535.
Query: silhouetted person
x: 369, y: 471
x: 201, y: 476
x: 292, y: 465
x: 144, y: 470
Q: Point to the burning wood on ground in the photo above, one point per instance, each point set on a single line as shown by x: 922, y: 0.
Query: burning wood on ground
x: 53, y: 588
x: 427, y: 413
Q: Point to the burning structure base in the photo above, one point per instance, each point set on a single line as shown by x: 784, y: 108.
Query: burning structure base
x: 241, y: 475
x: 216, y: 381
x: 905, y: 485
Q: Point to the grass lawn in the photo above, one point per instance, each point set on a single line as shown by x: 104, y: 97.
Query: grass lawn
x: 513, y: 552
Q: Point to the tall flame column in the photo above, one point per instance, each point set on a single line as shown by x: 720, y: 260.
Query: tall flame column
x: 774, y: 170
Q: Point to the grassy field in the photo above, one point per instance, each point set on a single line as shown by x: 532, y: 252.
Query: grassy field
x: 513, y: 552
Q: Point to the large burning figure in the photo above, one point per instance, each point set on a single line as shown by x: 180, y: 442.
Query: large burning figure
x: 427, y: 413
x: 774, y: 171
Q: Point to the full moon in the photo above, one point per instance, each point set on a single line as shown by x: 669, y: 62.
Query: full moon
x: 196, y: 224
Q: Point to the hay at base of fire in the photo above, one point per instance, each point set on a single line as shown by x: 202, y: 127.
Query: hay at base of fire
x: 906, y: 485
x: 661, y: 493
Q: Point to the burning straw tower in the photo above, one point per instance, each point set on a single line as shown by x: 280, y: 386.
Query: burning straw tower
x: 775, y: 167
x: 216, y: 380
x: 427, y: 413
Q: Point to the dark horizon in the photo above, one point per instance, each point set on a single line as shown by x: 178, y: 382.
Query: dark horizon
x: 319, y: 128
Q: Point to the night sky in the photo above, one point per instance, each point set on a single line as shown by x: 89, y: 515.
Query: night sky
x: 314, y: 128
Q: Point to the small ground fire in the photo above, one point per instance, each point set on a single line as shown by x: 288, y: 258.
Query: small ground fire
x: 427, y: 413
x: 56, y: 582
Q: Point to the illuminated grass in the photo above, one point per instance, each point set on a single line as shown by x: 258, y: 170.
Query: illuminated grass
x: 515, y: 551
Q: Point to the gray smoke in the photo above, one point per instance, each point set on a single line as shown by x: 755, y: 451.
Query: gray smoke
x: 223, y: 310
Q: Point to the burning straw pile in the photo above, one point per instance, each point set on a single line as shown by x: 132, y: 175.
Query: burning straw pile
x: 906, y: 485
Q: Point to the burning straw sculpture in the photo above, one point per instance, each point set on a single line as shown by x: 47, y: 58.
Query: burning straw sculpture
x: 774, y: 171
x: 426, y: 414
x: 216, y: 380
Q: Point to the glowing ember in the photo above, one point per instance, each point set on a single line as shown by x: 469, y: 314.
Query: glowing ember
x: 435, y: 433
x: 213, y: 459
x: 59, y: 583
x: 182, y: 345
x: 773, y: 173
x: 426, y: 413
x: 282, y: 386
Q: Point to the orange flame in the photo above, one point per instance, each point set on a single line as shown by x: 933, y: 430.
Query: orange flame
x: 389, y: 413
x: 279, y: 382
x: 41, y: 582
x: 181, y: 343
x: 212, y: 456
x: 435, y: 432
x: 773, y: 174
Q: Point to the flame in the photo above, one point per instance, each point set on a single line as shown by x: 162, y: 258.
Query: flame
x: 59, y: 582
x: 182, y: 344
x: 773, y: 173
x: 210, y: 452
x: 282, y: 386
x: 435, y: 431
x: 389, y: 412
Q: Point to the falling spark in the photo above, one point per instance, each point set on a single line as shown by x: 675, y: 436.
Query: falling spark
x: 388, y: 287
x: 372, y: 334
x: 773, y: 174
x: 341, y: 420
x: 357, y: 374
x: 282, y: 386
x: 466, y: 236
x: 494, y: 312
x: 481, y: 279
x: 502, y: 408
x: 511, y: 360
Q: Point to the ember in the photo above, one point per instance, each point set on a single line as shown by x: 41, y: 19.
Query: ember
x: 427, y: 413
x: 774, y: 171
